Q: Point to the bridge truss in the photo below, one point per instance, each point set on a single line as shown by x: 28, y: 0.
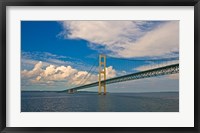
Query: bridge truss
x: 170, y: 69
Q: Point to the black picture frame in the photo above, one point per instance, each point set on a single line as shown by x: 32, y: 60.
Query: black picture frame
x: 5, y: 3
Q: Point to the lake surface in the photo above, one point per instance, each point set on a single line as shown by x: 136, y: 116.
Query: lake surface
x: 92, y: 102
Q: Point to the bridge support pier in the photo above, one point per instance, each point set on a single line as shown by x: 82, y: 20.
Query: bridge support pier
x: 102, y: 72
x: 71, y: 91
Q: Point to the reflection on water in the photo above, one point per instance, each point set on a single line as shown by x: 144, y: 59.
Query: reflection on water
x: 92, y: 102
x: 102, y: 103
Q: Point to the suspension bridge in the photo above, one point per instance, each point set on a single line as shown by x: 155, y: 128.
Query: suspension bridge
x: 151, y: 68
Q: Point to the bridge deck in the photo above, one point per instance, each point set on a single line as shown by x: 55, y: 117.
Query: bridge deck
x: 170, y: 69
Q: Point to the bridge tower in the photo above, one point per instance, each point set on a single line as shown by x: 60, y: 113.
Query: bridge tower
x: 102, y: 64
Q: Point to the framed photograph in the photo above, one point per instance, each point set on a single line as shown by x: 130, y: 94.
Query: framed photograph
x: 100, y: 66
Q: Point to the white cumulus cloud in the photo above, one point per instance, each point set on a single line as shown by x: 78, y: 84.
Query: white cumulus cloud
x: 110, y: 72
x: 34, y: 72
x: 51, y: 74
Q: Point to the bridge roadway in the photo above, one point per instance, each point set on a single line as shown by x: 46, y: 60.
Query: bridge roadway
x: 170, y: 69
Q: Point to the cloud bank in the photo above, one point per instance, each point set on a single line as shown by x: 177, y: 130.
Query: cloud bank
x: 50, y: 75
x: 127, y: 38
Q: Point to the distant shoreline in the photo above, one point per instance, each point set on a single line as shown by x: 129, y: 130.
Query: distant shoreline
x: 107, y: 92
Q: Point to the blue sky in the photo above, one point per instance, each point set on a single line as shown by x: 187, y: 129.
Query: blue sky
x: 59, y: 55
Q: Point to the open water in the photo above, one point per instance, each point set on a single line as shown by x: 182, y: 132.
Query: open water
x: 92, y: 102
